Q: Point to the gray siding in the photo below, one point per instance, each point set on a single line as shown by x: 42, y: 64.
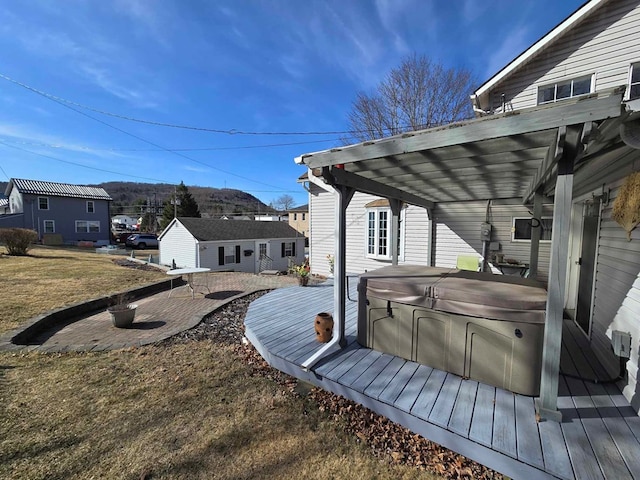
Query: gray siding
x: 457, y: 232
x: 64, y: 211
x: 605, y: 45
x: 617, y: 286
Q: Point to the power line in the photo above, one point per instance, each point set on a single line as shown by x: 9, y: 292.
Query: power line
x: 62, y: 102
x: 81, y: 147
x: 231, y: 131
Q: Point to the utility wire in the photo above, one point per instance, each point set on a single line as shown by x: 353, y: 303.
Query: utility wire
x: 89, y: 149
x: 231, y: 131
x: 5, y: 173
x: 70, y: 107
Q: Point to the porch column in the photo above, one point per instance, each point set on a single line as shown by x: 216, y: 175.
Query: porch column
x: 547, y: 404
x: 344, y: 195
x: 395, y: 222
x: 536, y: 233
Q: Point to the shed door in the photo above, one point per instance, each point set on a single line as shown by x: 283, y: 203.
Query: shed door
x: 587, y: 262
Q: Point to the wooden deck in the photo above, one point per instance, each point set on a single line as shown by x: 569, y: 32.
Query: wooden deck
x: 598, y: 437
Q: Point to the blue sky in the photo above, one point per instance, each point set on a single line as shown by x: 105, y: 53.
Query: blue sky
x: 234, y: 66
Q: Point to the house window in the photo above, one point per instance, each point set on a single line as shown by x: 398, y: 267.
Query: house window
x: 295, y: 217
x: 288, y: 249
x: 43, y: 203
x: 90, y: 206
x: 87, y: 226
x: 522, y: 226
x: 634, y: 83
x: 49, y: 226
x: 379, y: 235
x: 303, y: 217
x: 228, y: 255
x: 565, y: 89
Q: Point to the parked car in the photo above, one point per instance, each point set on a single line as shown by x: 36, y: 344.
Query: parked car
x: 142, y: 240
x: 120, y: 237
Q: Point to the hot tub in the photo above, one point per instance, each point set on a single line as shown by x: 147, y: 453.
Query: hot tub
x: 480, y: 326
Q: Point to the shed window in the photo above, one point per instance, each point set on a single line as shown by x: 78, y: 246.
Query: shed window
x: 90, y: 206
x: 43, y: 203
x: 565, y: 89
x: 634, y: 83
x: 229, y: 255
x: 49, y: 226
x: 87, y: 226
x: 288, y: 249
x: 522, y: 226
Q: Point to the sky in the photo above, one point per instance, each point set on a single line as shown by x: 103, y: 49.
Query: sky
x: 95, y: 91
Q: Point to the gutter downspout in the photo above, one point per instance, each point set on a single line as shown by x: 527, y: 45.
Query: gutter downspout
x: 343, y: 197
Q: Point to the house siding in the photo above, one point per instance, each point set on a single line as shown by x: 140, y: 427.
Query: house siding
x: 179, y: 246
x: 604, y: 44
x: 457, y: 232
x: 64, y: 211
x: 617, y: 276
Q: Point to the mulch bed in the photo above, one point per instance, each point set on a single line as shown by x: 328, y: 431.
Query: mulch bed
x: 386, y: 439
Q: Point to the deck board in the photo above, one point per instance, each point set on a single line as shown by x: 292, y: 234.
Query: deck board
x: 504, y: 435
x: 599, y: 436
x: 463, y: 409
x: 481, y: 429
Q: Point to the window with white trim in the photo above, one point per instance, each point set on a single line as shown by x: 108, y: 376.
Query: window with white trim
x: 565, y: 89
x: 87, y: 226
x: 521, y: 228
x: 378, y: 233
x: 49, y: 226
x: 634, y: 81
x: 43, y: 203
x: 91, y: 207
x: 229, y: 254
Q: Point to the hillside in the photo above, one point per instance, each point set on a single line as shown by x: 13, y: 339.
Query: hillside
x: 128, y: 197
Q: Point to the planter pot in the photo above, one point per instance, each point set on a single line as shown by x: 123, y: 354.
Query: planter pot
x: 122, y: 315
x: 324, y: 327
x: 303, y: 281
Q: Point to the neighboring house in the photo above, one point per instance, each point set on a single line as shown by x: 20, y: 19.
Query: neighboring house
x: 4, y: 205
x: 299, y: 219
x: 503, y: 171
x: 60, y: 212
x: 123, y: 222
x: 271, y: 218
x: 223, y: 245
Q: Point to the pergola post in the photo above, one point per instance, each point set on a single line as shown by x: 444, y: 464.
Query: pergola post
x: 536, y: 233
x: 547, y: 403
x: 395, y: 223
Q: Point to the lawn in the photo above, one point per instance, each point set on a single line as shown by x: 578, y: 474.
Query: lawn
x: 173, y: 410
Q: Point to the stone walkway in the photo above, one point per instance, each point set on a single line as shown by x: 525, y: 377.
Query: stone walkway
x: 157, y: 317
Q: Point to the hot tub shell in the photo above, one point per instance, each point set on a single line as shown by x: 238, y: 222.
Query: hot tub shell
x: 480, y: 326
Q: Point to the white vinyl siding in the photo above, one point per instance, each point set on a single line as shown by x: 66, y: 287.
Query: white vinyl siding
x: 178, y: 245
x: 606, y: 43
x: 458, y: 233
x: 413, y: 224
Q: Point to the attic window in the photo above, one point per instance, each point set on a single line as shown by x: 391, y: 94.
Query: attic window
x: 634, y: 82
x: 565, y: 89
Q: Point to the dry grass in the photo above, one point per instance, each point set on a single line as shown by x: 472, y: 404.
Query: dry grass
x: 182, y: 411
x: 51, y: 278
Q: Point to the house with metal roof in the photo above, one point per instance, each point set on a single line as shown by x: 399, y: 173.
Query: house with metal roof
x: 58, y: 212
x: 547, y: 175
x: 226, y: 245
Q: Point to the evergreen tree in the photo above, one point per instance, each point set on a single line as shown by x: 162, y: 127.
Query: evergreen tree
x: 186, y: 206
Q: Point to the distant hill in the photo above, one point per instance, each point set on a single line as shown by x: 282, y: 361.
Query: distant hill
x: 129, y: 196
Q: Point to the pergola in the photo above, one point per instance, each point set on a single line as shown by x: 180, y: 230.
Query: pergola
x: 529, y: 154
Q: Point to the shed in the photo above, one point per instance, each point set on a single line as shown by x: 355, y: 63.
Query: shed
x: 223, y: 245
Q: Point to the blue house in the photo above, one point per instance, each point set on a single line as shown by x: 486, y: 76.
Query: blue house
x: 59, y: 212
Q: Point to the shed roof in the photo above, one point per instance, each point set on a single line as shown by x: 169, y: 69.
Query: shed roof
x: 38, y: 187
x: 206, y: 230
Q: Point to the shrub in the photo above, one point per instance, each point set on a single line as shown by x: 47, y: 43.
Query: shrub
x: 18, y: 240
